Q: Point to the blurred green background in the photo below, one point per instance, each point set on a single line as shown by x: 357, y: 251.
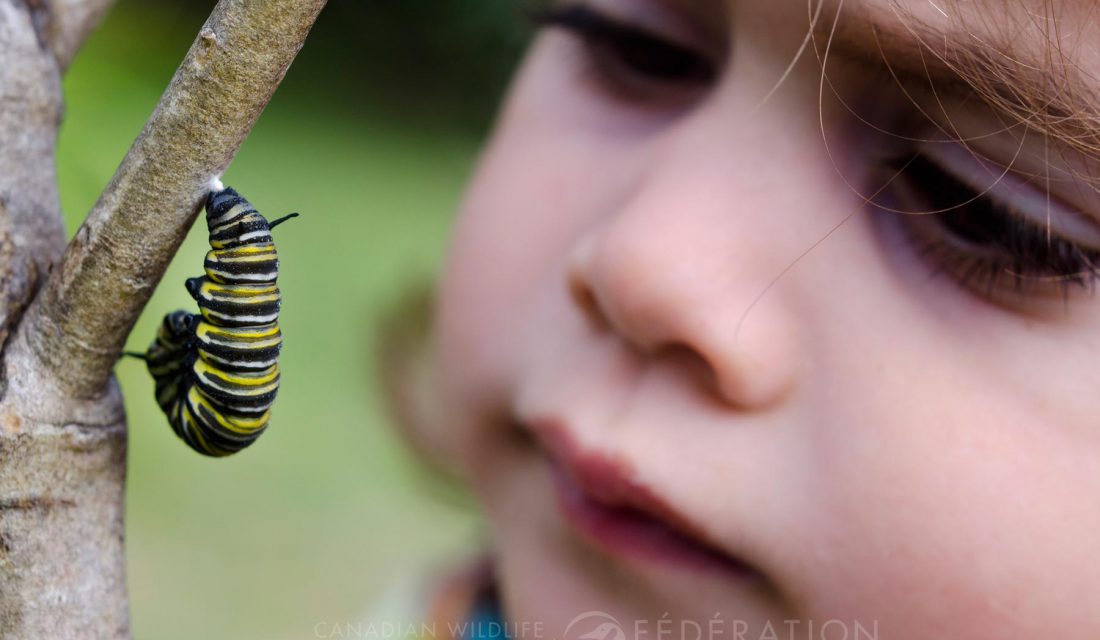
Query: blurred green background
x: 371, y: 137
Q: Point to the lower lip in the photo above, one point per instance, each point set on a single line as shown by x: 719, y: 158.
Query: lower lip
x: 623, y: 531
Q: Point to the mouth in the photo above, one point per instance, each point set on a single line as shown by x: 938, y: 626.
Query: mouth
x: 605, y: 504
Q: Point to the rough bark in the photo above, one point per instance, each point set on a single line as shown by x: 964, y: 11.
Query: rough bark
x: 62, y: 427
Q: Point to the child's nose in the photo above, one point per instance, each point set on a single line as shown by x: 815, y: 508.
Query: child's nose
x: 668, y: 272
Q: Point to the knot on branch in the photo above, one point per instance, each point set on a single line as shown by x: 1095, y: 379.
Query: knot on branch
x: 206, y: 47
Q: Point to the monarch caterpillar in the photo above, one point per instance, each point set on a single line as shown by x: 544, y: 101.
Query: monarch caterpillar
x: 216, y: 373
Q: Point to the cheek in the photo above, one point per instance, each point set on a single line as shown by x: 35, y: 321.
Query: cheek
x: 530, y: 200
x: 981, y: 521
x: 958, y: 464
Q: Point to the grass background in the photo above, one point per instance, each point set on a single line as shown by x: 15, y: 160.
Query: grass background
x: 326, y: 510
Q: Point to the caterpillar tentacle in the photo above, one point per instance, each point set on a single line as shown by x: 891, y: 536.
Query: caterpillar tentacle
x: 217, y: 372
x: 278, y: 221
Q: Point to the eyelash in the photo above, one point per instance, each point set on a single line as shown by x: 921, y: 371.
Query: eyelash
x: 985, y: 245
x: 628, y: 61
x: 973, y: 237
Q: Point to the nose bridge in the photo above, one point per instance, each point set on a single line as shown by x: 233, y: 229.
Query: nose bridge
x: 689, y: 258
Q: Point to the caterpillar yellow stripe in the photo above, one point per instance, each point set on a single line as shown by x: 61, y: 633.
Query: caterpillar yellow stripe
x: 217, y: 372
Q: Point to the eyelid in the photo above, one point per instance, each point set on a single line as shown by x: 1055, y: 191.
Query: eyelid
x: 1033, y: 157
x: 1001, y: 184
x: 659, y: 19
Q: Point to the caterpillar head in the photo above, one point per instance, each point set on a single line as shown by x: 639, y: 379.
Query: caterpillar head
x: 218, y: 203
x: 233, y: 221
x: 180, y: 322
x: 193, y: 285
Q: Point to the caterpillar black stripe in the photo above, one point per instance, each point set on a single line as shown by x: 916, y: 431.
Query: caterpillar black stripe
x: 217, y: 372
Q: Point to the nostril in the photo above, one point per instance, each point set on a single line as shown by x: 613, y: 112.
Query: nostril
x: 586, y: 301
x: 683, y: 357
x: 580, y: 286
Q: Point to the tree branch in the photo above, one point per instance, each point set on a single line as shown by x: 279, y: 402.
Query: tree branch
x: 30, y: 110
x: 67, y: 23
x: 77, y: 326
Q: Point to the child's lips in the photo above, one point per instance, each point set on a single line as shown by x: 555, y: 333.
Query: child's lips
x: 623, y: 517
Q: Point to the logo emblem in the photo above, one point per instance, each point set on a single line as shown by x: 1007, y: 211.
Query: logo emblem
x: 594, y: 625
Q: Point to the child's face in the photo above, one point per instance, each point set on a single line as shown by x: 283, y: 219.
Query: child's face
x: 691, y: 371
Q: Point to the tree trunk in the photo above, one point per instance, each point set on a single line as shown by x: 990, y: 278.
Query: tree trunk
x: 62, y: 426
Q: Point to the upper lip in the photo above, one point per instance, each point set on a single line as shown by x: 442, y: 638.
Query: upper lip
x: 610, y: 481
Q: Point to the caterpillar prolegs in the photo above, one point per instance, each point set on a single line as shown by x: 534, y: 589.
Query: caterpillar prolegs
x: 217, y: 372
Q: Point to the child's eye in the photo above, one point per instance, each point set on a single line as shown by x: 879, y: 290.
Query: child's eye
x: 996, y: 240
x: 628, y: 60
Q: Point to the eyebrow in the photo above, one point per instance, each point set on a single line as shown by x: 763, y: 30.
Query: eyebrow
x: 1043, y: 89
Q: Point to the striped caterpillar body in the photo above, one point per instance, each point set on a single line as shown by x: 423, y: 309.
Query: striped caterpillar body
x: 217, y: 372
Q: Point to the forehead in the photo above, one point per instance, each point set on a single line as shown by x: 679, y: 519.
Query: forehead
x: 1042, y: 47
x: 1028, y: 56
x: 1024, y: 27
x: 1062, y: 31
x: 1036, y: 62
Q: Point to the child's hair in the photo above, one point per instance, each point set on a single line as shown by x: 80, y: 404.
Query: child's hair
x: 1053, y: 101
